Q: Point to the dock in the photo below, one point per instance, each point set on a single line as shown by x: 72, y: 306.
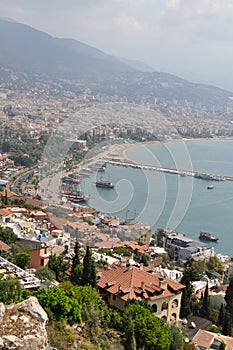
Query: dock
x: 198, y: 175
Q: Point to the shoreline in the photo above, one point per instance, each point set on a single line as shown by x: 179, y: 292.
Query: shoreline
x: 122, y: 152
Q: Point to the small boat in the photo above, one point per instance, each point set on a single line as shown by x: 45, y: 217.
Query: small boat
x: 104, y: 184
x: 210, y: 187
x: 205, y: 236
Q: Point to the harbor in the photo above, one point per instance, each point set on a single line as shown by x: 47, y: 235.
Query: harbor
x: 196, y: 174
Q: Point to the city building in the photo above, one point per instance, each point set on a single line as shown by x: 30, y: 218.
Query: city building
x: 124, y: 283
x: 205, y: 340
x: 182, y: 247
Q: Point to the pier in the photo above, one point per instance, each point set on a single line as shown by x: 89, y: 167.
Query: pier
x: 198, y: 175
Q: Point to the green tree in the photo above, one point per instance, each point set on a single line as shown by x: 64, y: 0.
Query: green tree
x: 122, y: 251
x: 221, y: 315
x: 10, y: 290
x: 76, y: 275
x: 214, y: 264
x: 7, y: 235
x: 191, y: 273
x: 177, y: 338
x: 76, y: 266
x: 22, y: 260
x: 59, y: 304
x: 214, y: 329
x: 77, y: 256
x: 89, y: 271
x: 222, y: 346
x: 130, y: 339
x: 58, y: 266
x: 145, y: 260
x: 229, y: 298
x: 206, y: 303
x: 150, y: 332
x: 190, y: 346
x: 185, y: 309
x: 227, y: 324
x: 45, y: 274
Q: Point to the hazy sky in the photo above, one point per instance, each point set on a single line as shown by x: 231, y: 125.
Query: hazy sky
x: 190, y: 38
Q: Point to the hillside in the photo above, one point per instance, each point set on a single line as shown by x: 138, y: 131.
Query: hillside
x: 24, y: 49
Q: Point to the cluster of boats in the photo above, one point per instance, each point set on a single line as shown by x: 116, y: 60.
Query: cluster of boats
x: 71, y: 186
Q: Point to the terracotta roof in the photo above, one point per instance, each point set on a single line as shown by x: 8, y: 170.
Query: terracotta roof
x: 5, y: 212
x: 221, y: 288
x: 8, y: 193
x: 135, y: 246
x: 33, y: 201
x: 135, y: 283
x: 4, y: 246
x: 204, y: 339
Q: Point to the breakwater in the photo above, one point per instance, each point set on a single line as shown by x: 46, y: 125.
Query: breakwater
x: 196, y: 174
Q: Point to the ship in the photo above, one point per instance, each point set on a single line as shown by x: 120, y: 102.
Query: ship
x: 71, y: 179
x: 210, y: 187
x: 104, y: 184
x: 205, y: 236
x: 75, y: 197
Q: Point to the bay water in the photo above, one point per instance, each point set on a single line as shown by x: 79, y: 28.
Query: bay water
x: 163, y: 200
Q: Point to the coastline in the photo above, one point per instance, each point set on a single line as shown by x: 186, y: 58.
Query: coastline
x: 122, y: 152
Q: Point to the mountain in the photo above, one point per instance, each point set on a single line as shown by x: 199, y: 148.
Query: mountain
x: 138, y: 65
x: 25, y: 49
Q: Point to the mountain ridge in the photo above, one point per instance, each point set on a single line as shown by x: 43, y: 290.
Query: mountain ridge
x: 29, y: 50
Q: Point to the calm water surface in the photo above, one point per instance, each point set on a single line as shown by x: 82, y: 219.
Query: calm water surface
x: 166, y: 200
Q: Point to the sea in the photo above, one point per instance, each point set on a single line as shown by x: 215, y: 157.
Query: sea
x: 177, y: 202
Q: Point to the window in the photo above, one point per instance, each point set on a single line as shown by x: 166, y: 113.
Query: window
x: 154, y: 308
x: 173, y: 317
x: 175, y: 303
x: 164, y: 306
x: 41, y: 262
x: 114, y: 297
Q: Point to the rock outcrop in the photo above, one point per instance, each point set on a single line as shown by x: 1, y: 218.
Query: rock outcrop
x: 22, y: 326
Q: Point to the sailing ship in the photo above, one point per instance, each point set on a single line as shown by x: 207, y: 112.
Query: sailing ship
x: 104, y: 183
x: 73, y: 193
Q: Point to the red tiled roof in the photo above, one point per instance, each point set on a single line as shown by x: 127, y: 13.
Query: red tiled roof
x: 5, y: 212
x: 204, y: 339
x: 4, y: 246
x: 221, y: 288
x: 135, y: 246
x: 33, y: 201
x: 8, y: 193
x: 135, y: 283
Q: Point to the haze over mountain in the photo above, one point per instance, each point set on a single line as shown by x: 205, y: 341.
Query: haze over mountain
x: 28, y: 50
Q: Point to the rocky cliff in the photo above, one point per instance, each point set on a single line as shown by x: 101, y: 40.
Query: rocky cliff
x: 22, y: 326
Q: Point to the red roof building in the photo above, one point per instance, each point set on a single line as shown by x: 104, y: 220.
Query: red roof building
x: 4, y: 246
x: 207, y: 340
x: 125, y: 283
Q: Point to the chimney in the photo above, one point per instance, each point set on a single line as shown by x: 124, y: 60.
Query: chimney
x: 142, y: 285
x: 119, y: 288
x: 141, y: 266
x: 162, y: 284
